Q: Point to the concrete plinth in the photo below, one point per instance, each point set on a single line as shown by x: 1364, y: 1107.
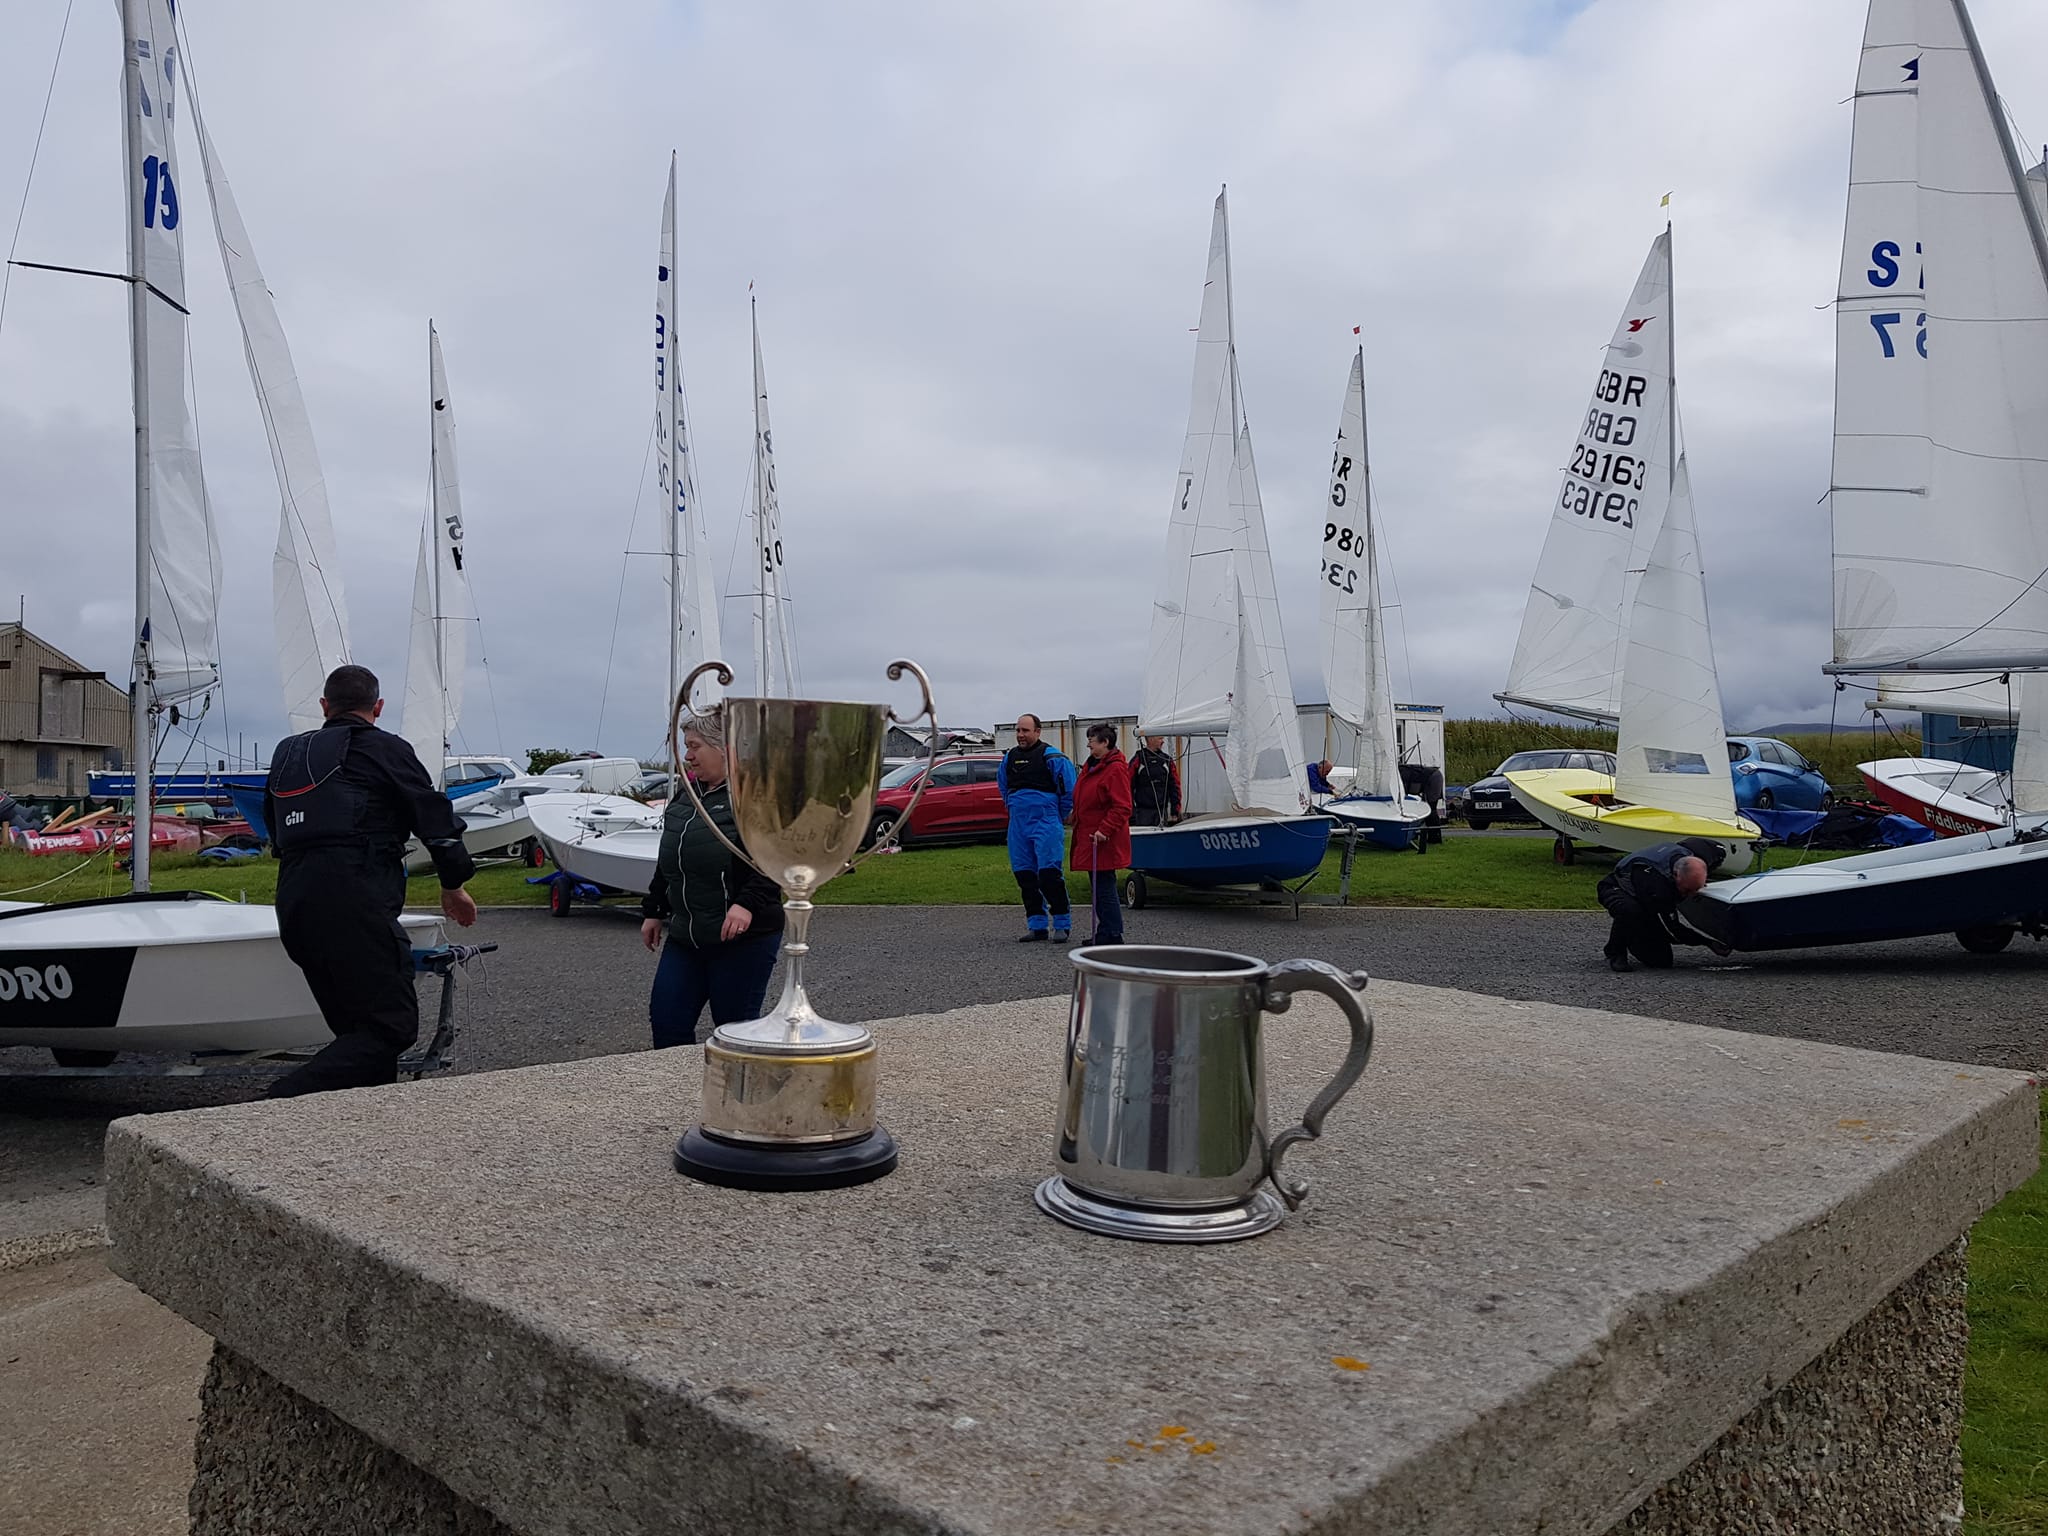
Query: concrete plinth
x: 1557, y: 1266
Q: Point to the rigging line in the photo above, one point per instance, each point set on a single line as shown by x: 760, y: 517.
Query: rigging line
x: 21, y: 213
x: 618, y: 603
x: 483, y: 657
x: 290, y: 496
x: 213, y: 573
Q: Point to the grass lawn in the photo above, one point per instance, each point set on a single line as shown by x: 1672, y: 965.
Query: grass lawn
x: 2005, y: 1413
x: 2005, y: 1435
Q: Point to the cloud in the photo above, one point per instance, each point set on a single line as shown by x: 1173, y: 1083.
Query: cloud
x: 977, y: 234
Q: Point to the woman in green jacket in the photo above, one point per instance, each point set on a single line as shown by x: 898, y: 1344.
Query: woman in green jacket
x: 722, y: 917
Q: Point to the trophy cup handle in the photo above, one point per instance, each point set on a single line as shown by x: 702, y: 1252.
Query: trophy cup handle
x: 926, y: 711
x: 1282, y: 982
x: 675, y: 751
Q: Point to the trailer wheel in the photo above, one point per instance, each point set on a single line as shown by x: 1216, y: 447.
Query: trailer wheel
x: 536, y: 855
x: 1134, y: 891
x: 1988, y: 940
x: 1562, y: 851
x: 70, y: 1056
x: 561, y: 897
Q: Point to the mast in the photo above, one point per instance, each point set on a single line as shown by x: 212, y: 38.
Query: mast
x: 438, y: 769
x: 762, y: 552
x: 1670, y: 363
x: 670, y: 392
x: 138, y: 355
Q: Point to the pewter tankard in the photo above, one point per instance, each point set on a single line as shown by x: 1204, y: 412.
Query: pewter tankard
x: 1163, y: 1131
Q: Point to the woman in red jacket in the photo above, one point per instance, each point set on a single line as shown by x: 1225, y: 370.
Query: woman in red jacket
x: 1102, y: 829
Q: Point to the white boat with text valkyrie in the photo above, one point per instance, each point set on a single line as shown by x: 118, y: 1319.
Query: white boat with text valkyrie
x: 1218, y: 659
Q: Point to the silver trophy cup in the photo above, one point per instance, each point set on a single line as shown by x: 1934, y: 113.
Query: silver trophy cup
x: 789, y: 1098
x: 1163, y: 1106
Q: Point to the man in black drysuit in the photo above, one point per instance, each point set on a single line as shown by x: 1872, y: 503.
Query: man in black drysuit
x: 341, y: 802
x: 1642, y: 893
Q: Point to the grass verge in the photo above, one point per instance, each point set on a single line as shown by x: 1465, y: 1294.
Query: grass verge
x: 2005, y: 1393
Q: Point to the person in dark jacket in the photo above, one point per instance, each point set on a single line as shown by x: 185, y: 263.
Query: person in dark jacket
x: 341, y: 803
x: 722, y: 917
x: 1037, y: 784
x: 1102, y: 829
x: 1155, y: 786
x: 1642, y: 892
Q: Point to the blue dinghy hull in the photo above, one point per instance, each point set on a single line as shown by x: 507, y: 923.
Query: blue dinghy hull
x: 1231, y: 850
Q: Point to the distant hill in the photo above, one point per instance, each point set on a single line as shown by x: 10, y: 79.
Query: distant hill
x: 1810, y: 728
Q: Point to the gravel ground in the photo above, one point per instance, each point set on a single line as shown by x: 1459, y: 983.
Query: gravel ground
x: 562, y: 988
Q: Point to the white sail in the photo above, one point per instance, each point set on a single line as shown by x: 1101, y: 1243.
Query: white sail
x: 2030, y: 745
x: 1985, y: 698
x: 1672, y: 747
x: 1355, y: 659
x: 1568, y: 657
x: 1191, y: 665
x: 1940, y: 482
x: 693, y: 587
x: 178, y: 621
x: 774, y: 654
x: 442, y: 606
x: 310, y: 612
x: 1266, y: 764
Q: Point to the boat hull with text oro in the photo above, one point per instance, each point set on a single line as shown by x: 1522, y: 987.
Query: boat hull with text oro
x: 164, y: 972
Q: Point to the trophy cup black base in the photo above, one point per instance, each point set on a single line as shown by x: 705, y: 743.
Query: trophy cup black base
x: 754, y: 1165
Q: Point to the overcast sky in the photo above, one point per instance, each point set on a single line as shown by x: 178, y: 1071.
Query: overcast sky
x: 978, y: 235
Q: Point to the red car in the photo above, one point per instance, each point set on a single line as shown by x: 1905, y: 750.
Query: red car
x: 963, y: 803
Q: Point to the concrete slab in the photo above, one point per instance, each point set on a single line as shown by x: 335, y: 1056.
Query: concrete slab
x: 1551, y: 1255
x: 99, y: 1392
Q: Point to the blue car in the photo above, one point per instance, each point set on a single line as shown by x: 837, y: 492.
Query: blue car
x: 1772, y: 776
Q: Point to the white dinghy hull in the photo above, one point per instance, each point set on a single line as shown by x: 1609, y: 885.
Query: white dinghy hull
x: 607, y: 840
x: 173, y: 972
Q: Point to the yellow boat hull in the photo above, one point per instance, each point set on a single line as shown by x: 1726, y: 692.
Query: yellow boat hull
x: 1578, y: 804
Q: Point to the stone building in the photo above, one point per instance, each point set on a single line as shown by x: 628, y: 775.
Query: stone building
x: 59, y: 721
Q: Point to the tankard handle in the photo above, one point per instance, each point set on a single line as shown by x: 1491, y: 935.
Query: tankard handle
x: 1342, y: 988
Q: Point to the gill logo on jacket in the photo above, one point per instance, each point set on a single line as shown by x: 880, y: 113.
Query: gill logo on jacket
x: 34, y: 984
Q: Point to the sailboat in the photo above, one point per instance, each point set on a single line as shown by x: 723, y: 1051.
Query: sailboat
x: 1218, y: 659
x: 493, y: 820
x: 1940, y: 504
x: 774, y: 648
x: 159, y: 971
x: 1605, y: 628
x: 1355, y: 659
x: 607, y: 844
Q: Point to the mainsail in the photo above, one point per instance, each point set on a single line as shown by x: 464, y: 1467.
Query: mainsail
x: 441, y: 603
x: 1355, y: 659
x: 1940, y: 482
x: 311, y: 614
x: 1672, y: 747
x: 774, y: 655
x: 178, y: 651
x: 1218, y: 656
x: 693, y: 590
x: 1568, y: 657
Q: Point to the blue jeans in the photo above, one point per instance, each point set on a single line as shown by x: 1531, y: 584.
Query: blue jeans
x: 732, y: 978
x: 1109, y: 908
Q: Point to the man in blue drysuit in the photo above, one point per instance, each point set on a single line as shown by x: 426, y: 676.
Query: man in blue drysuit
x: 1038, y: 787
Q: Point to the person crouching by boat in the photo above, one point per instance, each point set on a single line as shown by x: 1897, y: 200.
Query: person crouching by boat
x: 1642, y: 892
x: 1155, y: 786
x: 1102, y: 829
x: 1037, y: 784
x: 722, y: 917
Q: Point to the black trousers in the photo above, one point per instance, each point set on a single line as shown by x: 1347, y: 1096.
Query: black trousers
x: 1636, y: 929
x: 337, y: 912
x: 1044, y: 890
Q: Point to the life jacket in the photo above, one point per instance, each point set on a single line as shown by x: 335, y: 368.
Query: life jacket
x: 1028, y: 769
x: 317, y: 804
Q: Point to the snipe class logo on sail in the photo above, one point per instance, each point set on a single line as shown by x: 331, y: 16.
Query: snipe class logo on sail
x: 33, y: 984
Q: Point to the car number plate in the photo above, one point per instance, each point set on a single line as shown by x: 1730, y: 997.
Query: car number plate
x: 1486, y: 805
